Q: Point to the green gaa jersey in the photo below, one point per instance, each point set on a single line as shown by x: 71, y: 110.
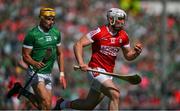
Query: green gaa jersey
x: 40, y: 41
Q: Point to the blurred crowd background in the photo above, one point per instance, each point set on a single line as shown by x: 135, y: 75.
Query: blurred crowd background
x: 159, y: 63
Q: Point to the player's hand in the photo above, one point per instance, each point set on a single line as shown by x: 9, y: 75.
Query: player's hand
x: 62, y: 81
x: 84, y: 67
x: 39, y: 65
x: 138, y: 48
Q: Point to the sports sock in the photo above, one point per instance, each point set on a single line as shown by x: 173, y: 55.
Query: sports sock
x: 31, y: 97
x: 65, y: 104
x: 26, y: 93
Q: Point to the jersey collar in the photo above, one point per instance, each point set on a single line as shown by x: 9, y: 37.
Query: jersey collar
x: 110, y: 31
x: 40, y: 29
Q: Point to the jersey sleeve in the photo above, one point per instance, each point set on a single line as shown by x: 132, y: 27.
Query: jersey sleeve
x: 92, y: 35
x: 28, y: 41
x: 58, y: 39
x: 125, y: 40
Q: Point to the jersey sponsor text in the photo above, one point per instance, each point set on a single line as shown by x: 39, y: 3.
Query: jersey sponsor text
x: 109, y: 50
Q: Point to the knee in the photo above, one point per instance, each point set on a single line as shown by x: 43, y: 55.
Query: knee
x: 47, y: 103
x: 90, y: 105
x: 115, y: 95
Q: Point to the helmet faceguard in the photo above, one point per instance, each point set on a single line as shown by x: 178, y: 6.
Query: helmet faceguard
x: 116, y: 18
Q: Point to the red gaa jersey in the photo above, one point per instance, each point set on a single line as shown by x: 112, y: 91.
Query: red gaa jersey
x: 105, y: 47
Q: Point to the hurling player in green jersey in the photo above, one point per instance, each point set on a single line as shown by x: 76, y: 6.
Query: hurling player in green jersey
x: 43, y: 41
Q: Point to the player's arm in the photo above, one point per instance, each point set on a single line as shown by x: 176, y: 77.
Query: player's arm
x: 22, y: 64
x: 60, y: 60
x: 132, y: 53
x: 27, y: 58
x: 28, y: 44
x: 78, y: 51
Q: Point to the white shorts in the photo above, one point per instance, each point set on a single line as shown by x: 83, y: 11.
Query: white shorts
x: 96, y: 79
x: 46, y: 78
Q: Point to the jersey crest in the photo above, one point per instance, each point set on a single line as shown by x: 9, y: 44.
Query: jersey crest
x: 112, y: 40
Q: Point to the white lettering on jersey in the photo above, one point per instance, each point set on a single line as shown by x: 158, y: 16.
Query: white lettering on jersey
x: 104, y: 38
x: 109, y: 50
x: 92, y: 33
x: 40, y: 38
x: 48, y: 38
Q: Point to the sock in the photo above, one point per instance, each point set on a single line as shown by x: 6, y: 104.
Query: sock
x: 65, y: 104
x: 31, y: 97
x: 27, y: 94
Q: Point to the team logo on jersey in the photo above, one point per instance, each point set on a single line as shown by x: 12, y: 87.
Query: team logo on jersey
x: 113, y: 40
x: 48, y: 38
x: 55, y: 37
x: 120, y: 40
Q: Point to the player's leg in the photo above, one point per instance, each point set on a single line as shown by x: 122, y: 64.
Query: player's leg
x: 44, y: 95
x: 99, y: 84
x: 94, y: 97
x: 112, y: 92
x: 41, y: 85
x: 90, y: 102
x: 17, y: 88
x: 31, y: 97
x: 108, y: 88
x: 41, y: 97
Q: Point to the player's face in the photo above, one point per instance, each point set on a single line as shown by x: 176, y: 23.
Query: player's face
x: 118, y: 24
x: 47, y: 22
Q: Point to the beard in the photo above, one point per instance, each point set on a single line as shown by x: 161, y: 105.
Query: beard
x: 47, y: 27
x: 117, y: 28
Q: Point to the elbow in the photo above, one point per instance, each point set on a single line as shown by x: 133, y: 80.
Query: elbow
x: 76, y: 45
x: 25, y: 57
x: 128, y: 58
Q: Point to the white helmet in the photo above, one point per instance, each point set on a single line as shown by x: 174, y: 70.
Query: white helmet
x: 116, y: 14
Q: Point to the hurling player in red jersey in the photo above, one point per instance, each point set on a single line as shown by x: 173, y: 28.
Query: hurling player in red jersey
x: 106, y: 42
